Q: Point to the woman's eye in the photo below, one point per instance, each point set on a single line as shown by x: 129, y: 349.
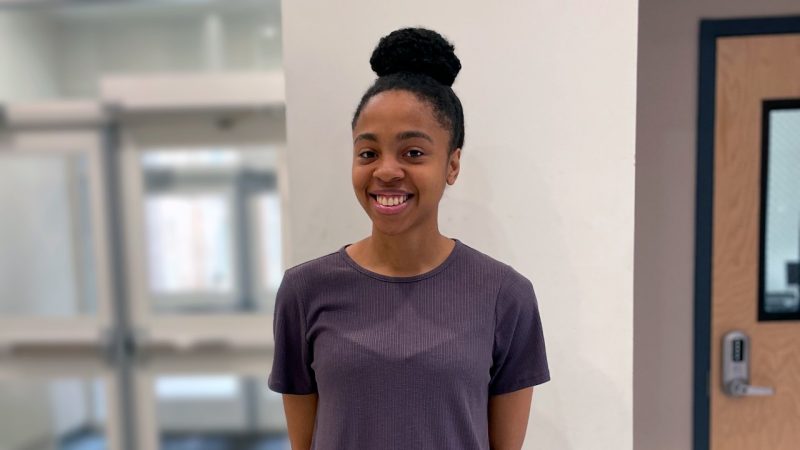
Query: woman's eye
x: 415, y: 153
x: 366, y: 154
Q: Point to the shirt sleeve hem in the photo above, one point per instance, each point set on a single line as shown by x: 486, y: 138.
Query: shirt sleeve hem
x: 283, y: 389
x: 521, y: 384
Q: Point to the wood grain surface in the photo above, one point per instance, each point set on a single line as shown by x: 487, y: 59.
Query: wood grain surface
x: 749, y: 70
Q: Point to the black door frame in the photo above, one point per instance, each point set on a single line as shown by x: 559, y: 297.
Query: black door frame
x: 710, y: 30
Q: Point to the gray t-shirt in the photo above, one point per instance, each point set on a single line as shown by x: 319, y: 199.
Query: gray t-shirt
x: 406, y: 362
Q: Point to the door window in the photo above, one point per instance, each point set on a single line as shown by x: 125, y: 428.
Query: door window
x: 780, y: 217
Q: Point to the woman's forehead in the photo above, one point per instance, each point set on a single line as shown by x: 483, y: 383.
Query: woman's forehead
x: 389, y: 111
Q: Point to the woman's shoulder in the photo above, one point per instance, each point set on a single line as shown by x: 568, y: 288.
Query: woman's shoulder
x: 313, y: 268
x: 514, y: 290
x: 504, y: 272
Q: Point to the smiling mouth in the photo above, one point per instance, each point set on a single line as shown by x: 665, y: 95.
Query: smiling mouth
x: 375, y: 196
x: 389, y: 206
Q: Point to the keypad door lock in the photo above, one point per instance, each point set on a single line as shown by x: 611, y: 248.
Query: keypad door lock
x: 736, y: 367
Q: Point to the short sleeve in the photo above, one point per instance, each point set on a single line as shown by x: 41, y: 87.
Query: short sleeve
x: 291, y: 364
x: 518, y: 358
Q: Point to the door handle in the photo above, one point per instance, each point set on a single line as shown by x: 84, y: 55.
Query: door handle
x: 736, y: 367
x: 737, y: 388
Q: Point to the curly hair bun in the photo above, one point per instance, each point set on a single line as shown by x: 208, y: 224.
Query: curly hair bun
x: 416, y: 50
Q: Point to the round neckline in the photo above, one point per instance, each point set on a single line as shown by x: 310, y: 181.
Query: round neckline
x: 379, y: 276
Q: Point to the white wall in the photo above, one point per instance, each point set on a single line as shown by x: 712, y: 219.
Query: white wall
x: 159, y: 40
x: 547, y: 178
x: 26, y: 52
x: 56, y: 52
x: 665, y: 197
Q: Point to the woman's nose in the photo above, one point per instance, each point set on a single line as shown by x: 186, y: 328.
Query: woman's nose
x: 388, y: 170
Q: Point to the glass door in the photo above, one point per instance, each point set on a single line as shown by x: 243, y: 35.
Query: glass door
x: 205, y: 257
x: 140, y: 259
x: 58, y: 387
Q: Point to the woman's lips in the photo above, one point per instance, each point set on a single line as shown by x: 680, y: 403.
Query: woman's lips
x: 390, y: 210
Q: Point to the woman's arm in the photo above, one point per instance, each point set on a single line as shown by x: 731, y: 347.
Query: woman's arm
x: 301, y: 410
x: 508, y: 419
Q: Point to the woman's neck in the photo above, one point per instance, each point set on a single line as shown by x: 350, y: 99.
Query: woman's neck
x: 399, y: 255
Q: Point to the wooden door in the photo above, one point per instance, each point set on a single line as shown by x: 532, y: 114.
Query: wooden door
x: 751, y: 71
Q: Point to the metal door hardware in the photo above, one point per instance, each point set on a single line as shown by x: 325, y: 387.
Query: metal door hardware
x: 736, y: 367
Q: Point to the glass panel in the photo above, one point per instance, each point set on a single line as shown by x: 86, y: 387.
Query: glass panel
x: 219, y: 412
x: 47, y: 265
x: 205, y: 251
x: 58, y: 414
x: 62, y: 49
x: 270, y: 251
x: 189, y: 243
x: 782, y: 223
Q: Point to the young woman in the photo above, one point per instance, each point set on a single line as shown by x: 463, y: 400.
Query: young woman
x: 407, y: 339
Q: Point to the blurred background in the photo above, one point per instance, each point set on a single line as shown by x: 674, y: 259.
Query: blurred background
x: 142, y: 171
x: 145, y: 221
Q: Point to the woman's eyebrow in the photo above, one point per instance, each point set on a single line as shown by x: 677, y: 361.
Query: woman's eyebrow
x: 413, y: 134
x: 366, y: 137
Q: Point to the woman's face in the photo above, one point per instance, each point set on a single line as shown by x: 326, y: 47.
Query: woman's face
x: 401, y: 162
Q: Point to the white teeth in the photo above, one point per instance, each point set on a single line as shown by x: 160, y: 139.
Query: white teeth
x: 391, y: 200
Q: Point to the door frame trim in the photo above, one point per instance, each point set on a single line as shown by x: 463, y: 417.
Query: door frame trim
x: 710, y: 30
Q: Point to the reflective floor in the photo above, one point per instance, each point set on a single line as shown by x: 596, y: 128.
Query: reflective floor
x: 193, y: 412
x: 92, y: 440
x: 83, y: 440
x: 222, y: 442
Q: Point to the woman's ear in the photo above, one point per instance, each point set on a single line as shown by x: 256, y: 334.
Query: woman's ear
x: 453, y: 166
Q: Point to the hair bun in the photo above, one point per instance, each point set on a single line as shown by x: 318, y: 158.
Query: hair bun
x: 416, y: 50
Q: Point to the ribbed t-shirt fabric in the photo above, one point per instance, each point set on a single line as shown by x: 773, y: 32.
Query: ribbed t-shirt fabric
x: 406, y: 362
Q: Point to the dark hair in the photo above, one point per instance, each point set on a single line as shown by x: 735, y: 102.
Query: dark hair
x: 424, y: 63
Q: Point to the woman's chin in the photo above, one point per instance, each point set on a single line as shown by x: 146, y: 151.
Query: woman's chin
x: 390, y: 229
